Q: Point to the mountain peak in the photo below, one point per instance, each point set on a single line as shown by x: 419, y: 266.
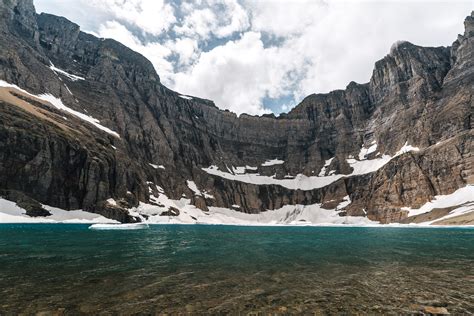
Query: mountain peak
x: 469, y: 25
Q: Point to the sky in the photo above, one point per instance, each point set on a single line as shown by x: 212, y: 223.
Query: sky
x: 264, y: 56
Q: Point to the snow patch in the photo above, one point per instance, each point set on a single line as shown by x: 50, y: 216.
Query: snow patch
x: 273, y: 162
x: 112, y: 202
x: 287, y: 215
x: 322, y: 173
x: 465, y: 209
x: 345, y: 202
x: 241, y: 169
x: 364, y: 152
x: 458, y: 197
x: 193, y: 187
x: 367, y: 166
x: 238, y: 170
x: 186, y: 97
x: 406, y: 148
x: 305, y: 183
x: 66, y: 74
x: 57, y: 103
x: 10, y: 212
x: 60, y: 106
x: 68, y: 90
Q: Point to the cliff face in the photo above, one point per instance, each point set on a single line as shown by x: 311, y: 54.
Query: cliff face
x: 417, y: 96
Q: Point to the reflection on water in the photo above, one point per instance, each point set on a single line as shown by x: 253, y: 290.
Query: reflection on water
x: 224, y: 269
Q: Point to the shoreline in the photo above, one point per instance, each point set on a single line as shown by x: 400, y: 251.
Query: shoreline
x: 392, y: 225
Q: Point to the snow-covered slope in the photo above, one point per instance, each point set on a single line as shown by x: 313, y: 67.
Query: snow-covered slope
x: 12, y: 213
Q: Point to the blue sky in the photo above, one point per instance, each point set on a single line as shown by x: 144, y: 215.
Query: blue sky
x: 264, y: 56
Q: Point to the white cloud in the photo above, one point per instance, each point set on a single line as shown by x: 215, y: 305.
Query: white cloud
x: 185, y: 48
x: 234, y: 16
x: 284, y: 18
x: 151, y: 16
x: 259, y: 49
x: 343, y: 39
x: 212, y: 18
x: 250, y: 72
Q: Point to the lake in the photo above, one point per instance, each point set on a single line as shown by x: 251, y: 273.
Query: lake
x: 61, y: 268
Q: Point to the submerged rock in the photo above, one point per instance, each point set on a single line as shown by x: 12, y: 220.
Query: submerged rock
x: 432, y: 310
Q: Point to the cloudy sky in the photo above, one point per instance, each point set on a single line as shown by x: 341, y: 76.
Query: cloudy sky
x: 264, y: 56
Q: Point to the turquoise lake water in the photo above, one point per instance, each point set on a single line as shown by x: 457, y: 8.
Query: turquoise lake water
x: 227, y: 269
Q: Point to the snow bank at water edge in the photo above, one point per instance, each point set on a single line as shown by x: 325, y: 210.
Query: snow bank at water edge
x: 287, y: 215
x: 457, y: 198
x: 12, y: 213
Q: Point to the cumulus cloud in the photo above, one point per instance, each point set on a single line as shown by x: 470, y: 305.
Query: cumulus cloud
x: 342, y: 40
x: 250, y: 72
x: 212, y: 18
x: 151, y: 16
x: 242, y: 53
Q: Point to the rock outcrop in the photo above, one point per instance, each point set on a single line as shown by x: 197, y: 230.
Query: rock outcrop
x: 417, y: 96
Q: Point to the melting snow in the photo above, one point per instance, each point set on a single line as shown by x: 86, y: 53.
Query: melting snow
x: 322, y: 173
x: 465, y: 209
x: 458, y: 197
x: 111, y: 202
x: 186, y: 97
x: 272, y: 162
x: 193, y: 187
x: 345, y: 202
x: 67, y: 88
x: 303, y: 182
x: 241, y: 170
x: 307, y: 215
x: 64, y: 73
x: 157, y: 166
x: 12, y: 213
x: 287, y: 215
x: 60, y: 106
x: 238, y: 170
x: 364, y: 152
x: 406, y: 148
x: 57, y: 103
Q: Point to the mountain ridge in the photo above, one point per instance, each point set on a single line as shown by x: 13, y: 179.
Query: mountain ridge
x: 416, y: 96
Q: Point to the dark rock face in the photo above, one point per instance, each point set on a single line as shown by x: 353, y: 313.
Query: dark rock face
x: 417, y: 95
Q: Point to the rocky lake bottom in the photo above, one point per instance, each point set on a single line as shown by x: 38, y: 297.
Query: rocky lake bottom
x: 193, y: 269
